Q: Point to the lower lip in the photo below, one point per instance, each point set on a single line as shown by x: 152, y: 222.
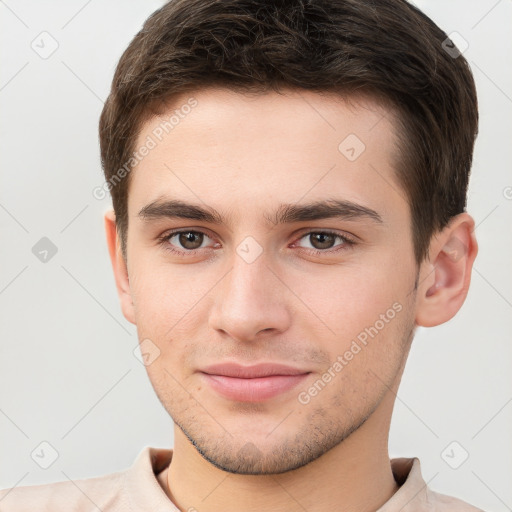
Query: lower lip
x: 253, y: 390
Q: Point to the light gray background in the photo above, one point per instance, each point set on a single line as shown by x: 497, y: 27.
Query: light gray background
x: 68, y: 374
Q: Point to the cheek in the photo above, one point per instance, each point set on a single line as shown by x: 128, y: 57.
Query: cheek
x: 166, y: 309
x: 162, y: 294
x: 350, y: 298
x: 368, y: 315
x: 366, y: 364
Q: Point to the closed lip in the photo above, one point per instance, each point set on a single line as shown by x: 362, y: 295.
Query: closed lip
x: 252, y: 372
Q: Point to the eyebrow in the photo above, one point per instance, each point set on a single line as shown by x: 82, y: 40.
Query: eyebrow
x: 285, y: 214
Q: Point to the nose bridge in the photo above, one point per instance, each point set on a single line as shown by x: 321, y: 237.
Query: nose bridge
x: 251, y: 280
x: 250, y: 297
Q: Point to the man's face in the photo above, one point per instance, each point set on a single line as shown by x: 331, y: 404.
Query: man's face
x: 250, y: 290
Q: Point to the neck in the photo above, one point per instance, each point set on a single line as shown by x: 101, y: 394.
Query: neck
x: 353, y: 476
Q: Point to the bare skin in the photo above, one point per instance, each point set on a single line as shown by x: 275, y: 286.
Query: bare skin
x: 244, y: 157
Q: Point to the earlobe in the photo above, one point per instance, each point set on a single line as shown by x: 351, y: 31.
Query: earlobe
x: 119, y: 266
x: 448, y: 272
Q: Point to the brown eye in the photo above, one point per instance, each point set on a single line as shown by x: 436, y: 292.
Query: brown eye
x: 190, y: 240
x: 322, y: 240
x: 325, y: 242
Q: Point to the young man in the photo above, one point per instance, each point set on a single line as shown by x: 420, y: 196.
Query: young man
x: 289, y: 187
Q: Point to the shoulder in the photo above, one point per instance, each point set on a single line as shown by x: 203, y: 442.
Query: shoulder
x: 447, y: 503
x: 104, y: 493
x: 414, y: 494
x: 133, y: 488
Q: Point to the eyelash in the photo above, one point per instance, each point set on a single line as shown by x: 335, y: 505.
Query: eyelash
x: 348, y: 242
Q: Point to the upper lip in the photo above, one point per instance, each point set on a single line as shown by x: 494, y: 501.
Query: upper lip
x: 248, y: 372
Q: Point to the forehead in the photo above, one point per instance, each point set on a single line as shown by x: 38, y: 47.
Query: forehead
x: 239, y: 152
x: 290, y: 111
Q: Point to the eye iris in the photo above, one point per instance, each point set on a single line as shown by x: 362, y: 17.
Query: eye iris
x: 186, y: 237
x: 322, y: 236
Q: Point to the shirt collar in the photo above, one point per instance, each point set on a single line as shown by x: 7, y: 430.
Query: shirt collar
x: 145, y: 493
x: 412, y: 496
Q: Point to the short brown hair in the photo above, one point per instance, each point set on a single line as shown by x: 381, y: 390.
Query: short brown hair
x: 388, y: 49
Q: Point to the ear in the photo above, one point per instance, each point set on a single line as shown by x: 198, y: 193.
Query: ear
x: 119, y: 266
x: 446, y: 273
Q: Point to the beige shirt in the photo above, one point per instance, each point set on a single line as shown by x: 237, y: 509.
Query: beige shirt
x: 137, y: 489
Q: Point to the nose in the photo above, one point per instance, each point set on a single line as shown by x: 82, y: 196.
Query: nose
x: 251, y: 299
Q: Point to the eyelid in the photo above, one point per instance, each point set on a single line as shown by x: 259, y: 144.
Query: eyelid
x: 343, y: 234
x: 165, y: 237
